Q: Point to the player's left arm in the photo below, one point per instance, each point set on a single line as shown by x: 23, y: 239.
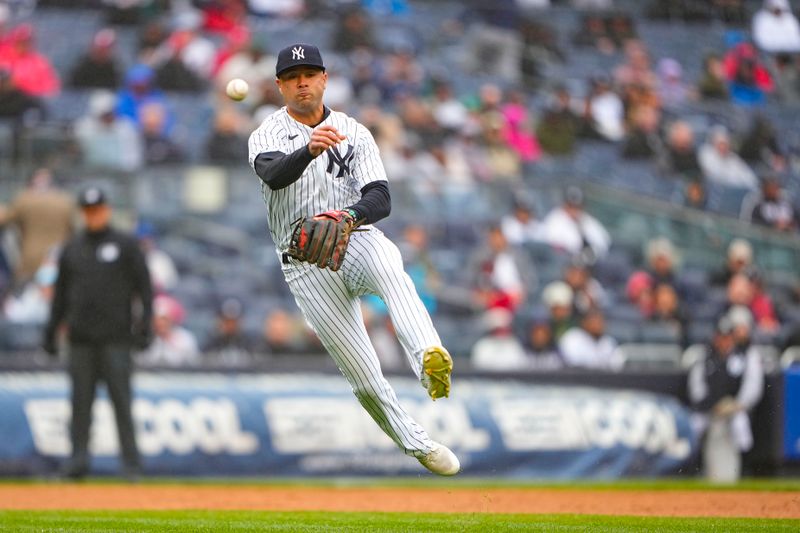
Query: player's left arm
x: 369, y: 176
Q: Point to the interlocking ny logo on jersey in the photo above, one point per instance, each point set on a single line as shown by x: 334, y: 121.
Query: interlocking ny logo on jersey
x: 336, y: 158
x: 298, y: 53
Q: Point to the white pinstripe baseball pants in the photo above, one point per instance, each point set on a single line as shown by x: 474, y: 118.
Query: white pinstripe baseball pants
x: 329, y: 301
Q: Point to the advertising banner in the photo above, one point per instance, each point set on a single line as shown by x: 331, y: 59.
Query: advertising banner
x: 312, y: 425
x: 791, y: 429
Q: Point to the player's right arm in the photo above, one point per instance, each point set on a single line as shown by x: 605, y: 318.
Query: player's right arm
x: 278, y: 169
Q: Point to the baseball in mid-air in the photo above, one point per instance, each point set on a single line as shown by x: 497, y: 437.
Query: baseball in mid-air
x: 237, y: 89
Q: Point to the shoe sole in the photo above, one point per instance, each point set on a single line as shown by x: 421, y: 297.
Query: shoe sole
x: 437, y: 365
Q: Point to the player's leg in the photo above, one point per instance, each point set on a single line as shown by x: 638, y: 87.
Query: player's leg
x: 335, y: 316
x: 117, y: 367
x: 83, y: 377
x: 383, y: 274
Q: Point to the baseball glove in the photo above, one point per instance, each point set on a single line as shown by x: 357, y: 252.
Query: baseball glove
x: 322, y: 239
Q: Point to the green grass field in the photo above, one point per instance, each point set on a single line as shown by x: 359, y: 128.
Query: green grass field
x: 26, y: 521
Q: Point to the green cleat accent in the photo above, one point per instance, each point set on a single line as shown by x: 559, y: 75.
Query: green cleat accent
x: 437, y: 366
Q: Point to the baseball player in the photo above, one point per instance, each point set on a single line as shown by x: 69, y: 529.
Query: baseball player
x: 324, y: 186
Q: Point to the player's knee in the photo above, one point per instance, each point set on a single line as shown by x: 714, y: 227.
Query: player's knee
x: 366, y: 396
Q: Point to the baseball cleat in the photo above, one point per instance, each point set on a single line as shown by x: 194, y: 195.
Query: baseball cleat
x: 440, y: 460
x: 437, y: 366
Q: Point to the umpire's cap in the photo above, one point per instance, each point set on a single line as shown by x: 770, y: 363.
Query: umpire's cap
x: 92, y: 196
x: 297, y: 55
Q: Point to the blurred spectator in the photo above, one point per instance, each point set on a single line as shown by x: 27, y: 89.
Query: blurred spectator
x: 500, y: 275
x: 185, y: 60
x: 771, y: 207
x: 251, y: 63
x: 760, y: 145
x: 586, y: 290
x: 558, y: 128
x: 593, y: 31
x: 230, y: 344
x: 32, y: 304
x: 353, y: 31
x: 229, y: 17
x: 540, y: 50
x: 575, y: 231
x: 448, y: 111
x: 140, y: 90
x: 521, y: 226
x: 748, y: 78
x: 713, y: 82
x: 680, y: 155
x: 746, y: 290
x: 172, y: 345
x: 589, y: 346
x: 662, y: 262
x: 281, y: 335
x: 16, y: 104
x: 44, y: 216
x: 604, y: 111
x: 401, y: 74
x: 673, y: 91
x: 31, y: 71
x: 636, y: 69
x: 98, y: 67
x: 721, y: 165
x: 542, y: 349
x: 501, y: 162
x: 643, y: 140
x: 739, y: 260
x: 694, y: 194
x: 163, y: 273
x: 419, y: 265
x: 669, y: 311
x: 723, y: 387
x: 639, y: 291
x: 159, y: 147
x: 106, y: 141
x: 498, y: 350
x: 775, y: 28
x: 151, y: 34
x: 227, y: 140
x: 518, y: 130
x: 557, y: 297
x: 786, y: 68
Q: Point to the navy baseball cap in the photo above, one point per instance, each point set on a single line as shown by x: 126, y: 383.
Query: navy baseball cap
x: 92, y: 196
x: 297, y: 55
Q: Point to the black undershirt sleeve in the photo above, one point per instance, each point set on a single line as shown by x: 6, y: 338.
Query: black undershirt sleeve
x: 375, y: 203
x: 279, y: 170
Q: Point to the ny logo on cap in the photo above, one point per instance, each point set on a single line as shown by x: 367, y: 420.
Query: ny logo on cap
x: 298, y: 53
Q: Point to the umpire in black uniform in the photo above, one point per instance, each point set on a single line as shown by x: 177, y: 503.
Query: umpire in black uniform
x: 103, y: 302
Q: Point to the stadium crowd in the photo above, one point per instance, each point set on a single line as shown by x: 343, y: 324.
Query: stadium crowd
x: 533, y: 98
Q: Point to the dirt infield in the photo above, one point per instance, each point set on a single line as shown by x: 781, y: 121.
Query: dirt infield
x: 754, y: 504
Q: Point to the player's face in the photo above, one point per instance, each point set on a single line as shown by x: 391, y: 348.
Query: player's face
x: 96, y: 217
x: 302, y: 88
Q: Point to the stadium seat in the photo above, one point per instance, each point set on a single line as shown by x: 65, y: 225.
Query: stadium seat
x: 650, y: 356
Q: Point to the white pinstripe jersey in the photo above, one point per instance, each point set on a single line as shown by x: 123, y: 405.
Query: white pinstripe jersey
x: 331, y: 181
